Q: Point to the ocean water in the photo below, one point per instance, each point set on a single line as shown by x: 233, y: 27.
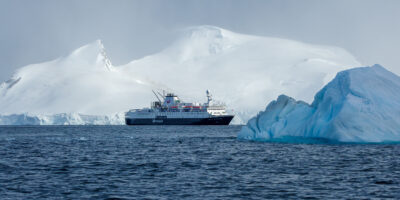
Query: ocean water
x: 186, y: 162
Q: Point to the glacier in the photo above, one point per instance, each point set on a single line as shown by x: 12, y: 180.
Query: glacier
x: 244, y: 71
x: 360, y: 105
x: 62, y: 119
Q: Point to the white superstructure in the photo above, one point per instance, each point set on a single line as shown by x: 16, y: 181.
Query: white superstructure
x: 172, y: 109
x: 172, y: 106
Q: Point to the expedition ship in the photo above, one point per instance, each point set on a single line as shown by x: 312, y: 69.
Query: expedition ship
x: 170, y: 110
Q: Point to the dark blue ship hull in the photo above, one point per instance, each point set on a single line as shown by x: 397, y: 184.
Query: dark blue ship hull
x: 220, y: 120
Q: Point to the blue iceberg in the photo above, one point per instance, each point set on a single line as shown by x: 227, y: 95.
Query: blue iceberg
x: 360, y: 105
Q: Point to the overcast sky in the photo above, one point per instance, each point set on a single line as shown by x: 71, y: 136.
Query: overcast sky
x: 42, y: 30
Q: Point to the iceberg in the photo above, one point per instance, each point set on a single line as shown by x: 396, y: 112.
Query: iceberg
x: 360, y: 105
x: 243, y: 71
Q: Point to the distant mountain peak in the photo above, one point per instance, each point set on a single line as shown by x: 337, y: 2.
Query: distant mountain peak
x: 93, y: 52
x: 206, y: 31
x: 203, y: 41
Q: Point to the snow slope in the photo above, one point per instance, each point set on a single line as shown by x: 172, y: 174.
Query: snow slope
x: 241, y: 70
x: 84, y: 82
x: 359, y: 105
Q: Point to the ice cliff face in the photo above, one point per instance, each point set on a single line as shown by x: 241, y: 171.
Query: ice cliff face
x: 62, y: 119
x: 241, y: 70
x: 359, y: 105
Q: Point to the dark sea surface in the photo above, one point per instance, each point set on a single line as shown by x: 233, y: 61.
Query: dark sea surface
x: 187, y: 162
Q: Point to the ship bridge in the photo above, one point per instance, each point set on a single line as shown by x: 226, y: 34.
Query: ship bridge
x: 171, y: 100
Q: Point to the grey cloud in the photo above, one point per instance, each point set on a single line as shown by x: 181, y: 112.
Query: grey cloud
x: 37, y: 31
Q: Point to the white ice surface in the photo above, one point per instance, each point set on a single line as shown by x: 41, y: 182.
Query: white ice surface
x: 62, y: 119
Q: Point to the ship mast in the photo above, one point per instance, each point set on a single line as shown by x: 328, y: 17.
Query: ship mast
x: 162, y: 95
x: 156, y: 95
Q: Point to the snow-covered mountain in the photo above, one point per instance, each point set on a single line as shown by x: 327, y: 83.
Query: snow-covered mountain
x: 359, y: 105
x: 243, y: 71
x: 81, y: 88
